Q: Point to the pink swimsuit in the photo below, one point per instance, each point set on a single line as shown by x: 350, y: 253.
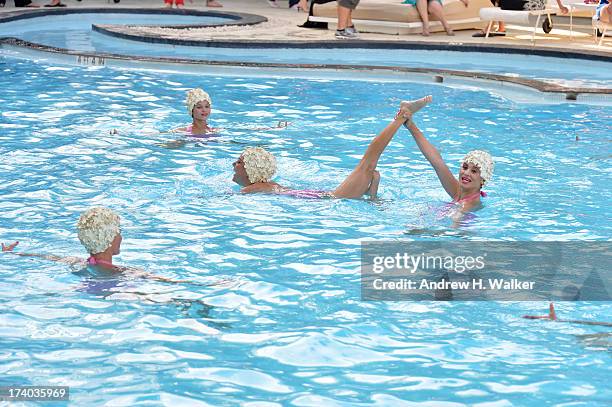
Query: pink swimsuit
x: 189, y: 130
x: 308, y: 193
x: 92, y: 261
x: 470, y: 197
x: 451, y: 207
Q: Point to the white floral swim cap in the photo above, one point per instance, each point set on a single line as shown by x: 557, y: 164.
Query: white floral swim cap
x: 260, y: 165
x: 482, y: 160
x: 97, y: 229
x: 194, y: 96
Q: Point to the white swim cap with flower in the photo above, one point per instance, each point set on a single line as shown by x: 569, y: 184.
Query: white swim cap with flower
x: 194, y: 96
x: 483, y: 160
x: 259, y: 164
x: 97, y: 228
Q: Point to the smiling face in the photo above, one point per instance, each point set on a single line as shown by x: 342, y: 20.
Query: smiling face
x: 201, y: 111
x: 240, y: 174
x: 469, y: 176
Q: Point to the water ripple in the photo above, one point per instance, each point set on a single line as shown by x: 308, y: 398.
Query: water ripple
x: 287, y: 326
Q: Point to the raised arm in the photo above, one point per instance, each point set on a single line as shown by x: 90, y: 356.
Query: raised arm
x: 447, y: 179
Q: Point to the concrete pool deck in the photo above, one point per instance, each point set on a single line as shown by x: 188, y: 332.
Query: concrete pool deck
x: 282, y: 26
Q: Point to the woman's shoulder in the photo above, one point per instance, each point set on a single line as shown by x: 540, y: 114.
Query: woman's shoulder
x: 267, y: 187
x: 185, y: 129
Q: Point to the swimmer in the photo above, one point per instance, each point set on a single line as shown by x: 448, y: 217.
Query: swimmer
x: 475, y: 171
x: 255, y: 167
x: 199, y: 108
x: 552, y: 316
x: 99, y: 231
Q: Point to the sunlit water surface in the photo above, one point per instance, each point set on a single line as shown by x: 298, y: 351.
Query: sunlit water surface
x: 287, y: 326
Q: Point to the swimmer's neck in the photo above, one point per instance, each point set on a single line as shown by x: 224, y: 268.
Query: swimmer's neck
x: 199, y: 125
x: 103, y: 259
x: 468, y: 194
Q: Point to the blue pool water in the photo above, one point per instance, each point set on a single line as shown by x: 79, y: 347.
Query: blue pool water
x: 51, y: 31
x: 288, y: 326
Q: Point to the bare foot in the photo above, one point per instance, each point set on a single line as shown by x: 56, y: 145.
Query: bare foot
x: 450, y: 33
x: 404, y: 115
x: 415, y: 105
x: 425, y: 33
x: 213, y: 3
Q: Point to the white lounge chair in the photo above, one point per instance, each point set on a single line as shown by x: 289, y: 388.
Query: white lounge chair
x: 519, y: 17
x: 393, y: 17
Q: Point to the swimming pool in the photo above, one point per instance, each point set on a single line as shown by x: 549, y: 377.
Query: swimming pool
x: 289, y: 327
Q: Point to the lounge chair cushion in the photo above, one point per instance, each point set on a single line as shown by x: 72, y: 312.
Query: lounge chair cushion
x: 509, y: 16
x: 396, y: 11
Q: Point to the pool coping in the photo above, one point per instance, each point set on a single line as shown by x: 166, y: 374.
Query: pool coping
x: 129, y: 33
x: 237, y: 18
x: 436, y: 75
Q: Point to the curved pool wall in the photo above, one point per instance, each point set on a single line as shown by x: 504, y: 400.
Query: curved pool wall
x: 511, y: 87
x: 569, y: 71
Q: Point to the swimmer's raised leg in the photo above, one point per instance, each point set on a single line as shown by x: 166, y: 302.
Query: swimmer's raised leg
x: 373, y: 189
x: 416, y: 105
x: 359, y: 181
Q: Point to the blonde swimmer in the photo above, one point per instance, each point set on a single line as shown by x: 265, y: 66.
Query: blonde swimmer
x: 99, y: 231
x: 199, y: 107
x: 255, y: 167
